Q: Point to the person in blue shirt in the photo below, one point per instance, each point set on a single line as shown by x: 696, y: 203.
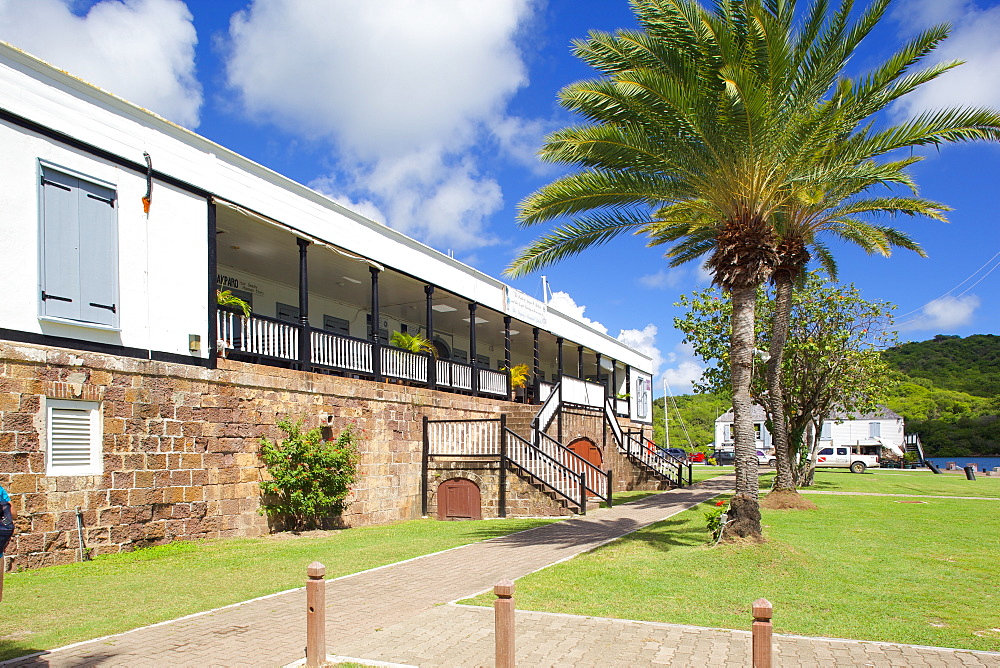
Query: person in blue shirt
x: 6, y: 529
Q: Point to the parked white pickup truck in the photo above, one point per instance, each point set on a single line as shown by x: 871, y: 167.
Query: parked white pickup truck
x: 843, y: 457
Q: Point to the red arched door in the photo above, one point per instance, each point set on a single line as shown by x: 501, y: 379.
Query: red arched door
x: 588, y: 451
x: 459, y: 499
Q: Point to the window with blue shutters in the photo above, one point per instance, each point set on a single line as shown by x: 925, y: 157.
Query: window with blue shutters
x: 79, y: 255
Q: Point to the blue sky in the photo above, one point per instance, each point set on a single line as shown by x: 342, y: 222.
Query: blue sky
x: 426, y: 115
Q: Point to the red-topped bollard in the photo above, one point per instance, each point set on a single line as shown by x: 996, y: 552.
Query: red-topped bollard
x: 315, y: 614
x: 503, y: 609
x: 761, y: 633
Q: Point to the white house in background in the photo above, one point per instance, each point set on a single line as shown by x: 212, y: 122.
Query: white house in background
x: 868, y: 431
x: 724, y: 430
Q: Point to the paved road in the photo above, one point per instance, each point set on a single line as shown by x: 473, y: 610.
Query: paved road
x: 403, y: 613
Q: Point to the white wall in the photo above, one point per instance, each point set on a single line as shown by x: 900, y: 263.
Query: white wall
x: 162, y: 258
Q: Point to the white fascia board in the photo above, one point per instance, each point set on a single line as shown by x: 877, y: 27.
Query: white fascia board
x: 580, y: 333
x: 49, y: 96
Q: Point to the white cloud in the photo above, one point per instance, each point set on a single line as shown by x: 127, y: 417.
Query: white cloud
x: 141, y: 50
x: 944, y: 314
x: 975, y: 39
x: 663, y: 279
x: 643, y: 340
x: 562, y: 302
x: 684, y: 369
x: 404, y: 90
x: 704, y: 275
x: 521, y: 139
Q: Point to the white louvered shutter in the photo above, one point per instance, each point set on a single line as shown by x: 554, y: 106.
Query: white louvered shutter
x: 74, y: 438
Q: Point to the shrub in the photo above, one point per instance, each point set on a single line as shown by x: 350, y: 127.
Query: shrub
x: 714, y: 517
x: 310, y: 477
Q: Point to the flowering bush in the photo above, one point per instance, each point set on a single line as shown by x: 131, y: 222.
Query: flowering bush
x: 310, y: 477
x: 713, y: 516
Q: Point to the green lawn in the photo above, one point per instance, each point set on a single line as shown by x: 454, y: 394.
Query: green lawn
x: 869, y: 568
x: 702, y: 473
x: 51, y: 607
x: 903, y: 481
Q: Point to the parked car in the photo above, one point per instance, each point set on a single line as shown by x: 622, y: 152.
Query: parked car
x: 724, y: 457
x: 677, y: 453
x: 764, y: 459
x: 697, y: 458
x: 845, y: 457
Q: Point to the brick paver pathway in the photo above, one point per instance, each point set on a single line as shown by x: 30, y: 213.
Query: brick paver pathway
x: 401, y: 613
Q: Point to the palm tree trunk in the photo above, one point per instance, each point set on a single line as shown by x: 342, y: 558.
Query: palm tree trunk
x: 775, y: 383
x: 744, y: 507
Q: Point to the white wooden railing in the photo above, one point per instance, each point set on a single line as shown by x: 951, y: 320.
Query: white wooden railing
x: 454, y: 375
x: 463, y: 437
x: 595, y: 479
x: 492, y: 382
x: 547, y: 412
x: 258, y: 335
x: 544, y: 390
x: 398, y: 363
x: 545, y: 468
x: 342, y: 352
x: 582, y: 392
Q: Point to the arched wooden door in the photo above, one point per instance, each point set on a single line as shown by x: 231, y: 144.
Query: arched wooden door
x: 459, y: 499
x: 588, y: 451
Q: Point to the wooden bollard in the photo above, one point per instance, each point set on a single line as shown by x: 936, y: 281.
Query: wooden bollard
x: 315, y: 614
x: 503, y: 609
x: 761, y: 633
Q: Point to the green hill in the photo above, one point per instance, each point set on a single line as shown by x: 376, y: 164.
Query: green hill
x: 970, y: 365
x: 948, y: 391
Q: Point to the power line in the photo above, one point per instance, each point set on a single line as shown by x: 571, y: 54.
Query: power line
x: 991, y: 270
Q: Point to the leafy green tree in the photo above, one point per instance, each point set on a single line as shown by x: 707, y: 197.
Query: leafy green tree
x: 832, y: 360
x: 702, y: 131
x: 309, y: 478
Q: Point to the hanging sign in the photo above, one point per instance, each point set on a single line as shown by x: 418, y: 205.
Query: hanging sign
x: 527, y: 309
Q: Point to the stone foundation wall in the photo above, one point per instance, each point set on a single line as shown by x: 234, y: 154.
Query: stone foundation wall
x: 180, y: 447
x: 523, y: 498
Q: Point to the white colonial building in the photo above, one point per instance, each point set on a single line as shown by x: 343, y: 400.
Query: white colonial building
x: 133, y: 403
x: 878, y: 429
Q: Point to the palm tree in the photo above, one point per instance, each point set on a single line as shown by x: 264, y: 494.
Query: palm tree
x: 700, y: 132
x: 799, y: 224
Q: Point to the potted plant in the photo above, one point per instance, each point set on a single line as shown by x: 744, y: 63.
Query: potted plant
x: 227, y: 298
x: 518, y: 379
x: 413, y: 343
